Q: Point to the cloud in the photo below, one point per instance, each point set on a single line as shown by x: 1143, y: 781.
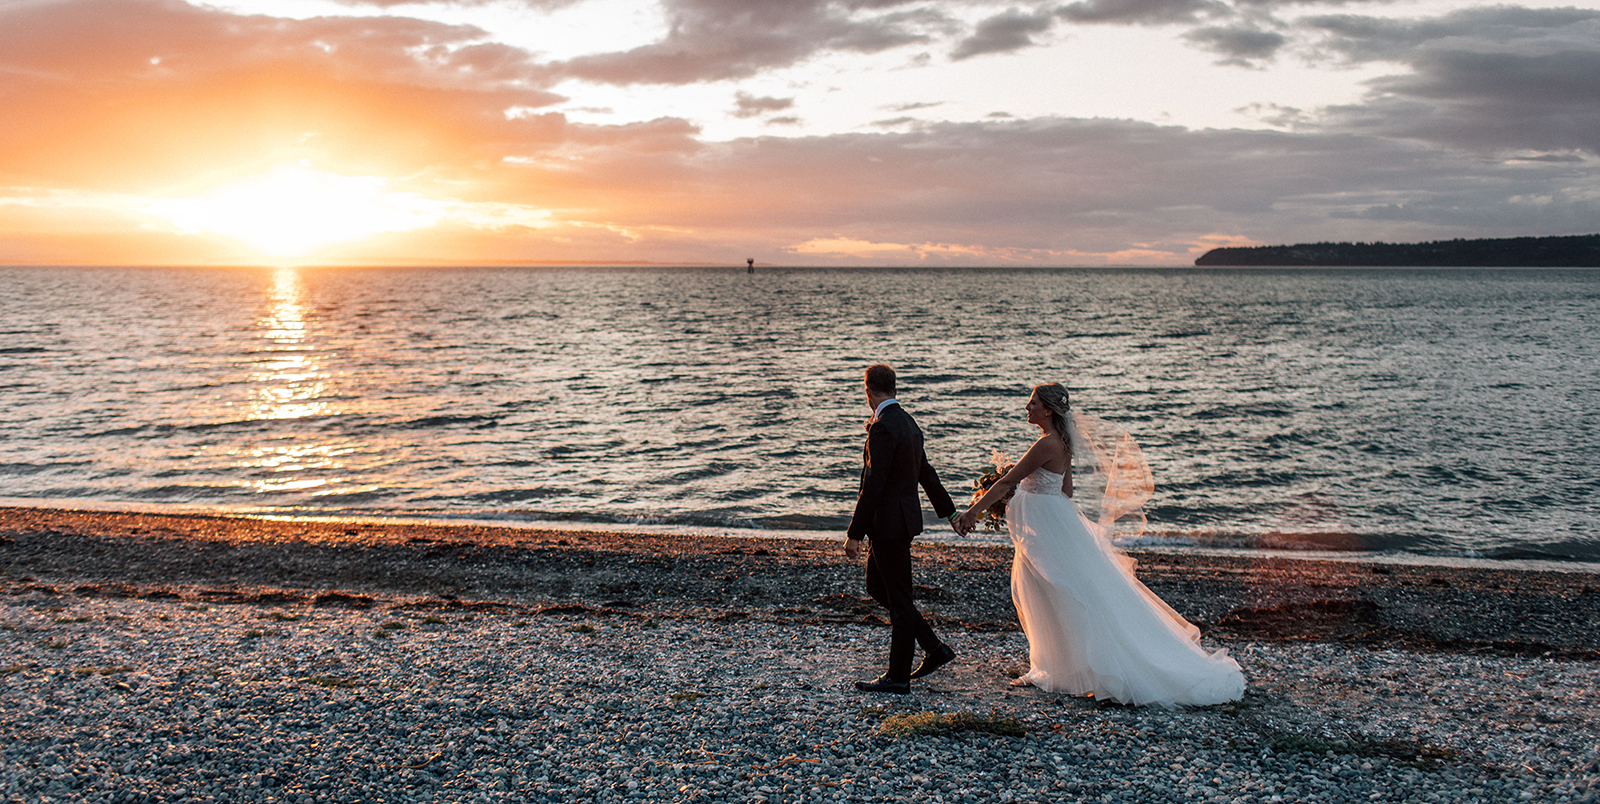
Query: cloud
x: 1483, y: 79
x: 747, y: 105
x: 1240, y: 45
x: 1277, y: 116
x: 1493, y: 28
x: 123, y: 93
x: 1003, y: 33
x: 392, y: 4
x: 1062, y: 190
x: 154, y: 39
x: 714, y: 40
x: 1141, y: 12
x: 866, y: 249
x: 1555, y: 213
x: 1569, y: 158
x: 1252, y: 6
x: 1055, y: 191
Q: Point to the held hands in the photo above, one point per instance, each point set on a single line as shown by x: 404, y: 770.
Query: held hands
x: 962, y: 524
x: 965, y: 522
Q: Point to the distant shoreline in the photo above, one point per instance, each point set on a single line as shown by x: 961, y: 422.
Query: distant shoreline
x: 1571, y: 251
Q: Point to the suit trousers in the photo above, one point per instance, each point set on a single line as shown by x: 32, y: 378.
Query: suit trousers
x: 889, y: 583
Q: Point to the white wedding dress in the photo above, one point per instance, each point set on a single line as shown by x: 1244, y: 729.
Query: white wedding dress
x: 1092, y: 627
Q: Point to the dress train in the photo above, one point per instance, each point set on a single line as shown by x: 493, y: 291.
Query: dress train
x: 1092, y: 626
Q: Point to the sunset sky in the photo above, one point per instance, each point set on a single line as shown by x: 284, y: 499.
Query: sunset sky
x: 797, y: 132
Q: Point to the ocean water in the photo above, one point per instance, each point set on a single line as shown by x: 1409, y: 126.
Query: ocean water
x: 1436, y: 412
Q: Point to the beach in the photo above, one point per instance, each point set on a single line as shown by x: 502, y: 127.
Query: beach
x: 189, y: 658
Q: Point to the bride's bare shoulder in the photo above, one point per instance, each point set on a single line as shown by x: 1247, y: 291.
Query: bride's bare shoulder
x: 1052, y: 453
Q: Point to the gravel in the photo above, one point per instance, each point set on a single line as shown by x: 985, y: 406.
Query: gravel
x: 144, y: 700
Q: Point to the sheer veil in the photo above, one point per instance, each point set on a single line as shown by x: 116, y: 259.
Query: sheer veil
x: 1112, y: 481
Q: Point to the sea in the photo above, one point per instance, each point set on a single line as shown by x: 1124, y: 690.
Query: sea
x: 1416, y: 414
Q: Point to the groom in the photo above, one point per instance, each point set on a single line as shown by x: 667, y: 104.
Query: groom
x: 888, y: 513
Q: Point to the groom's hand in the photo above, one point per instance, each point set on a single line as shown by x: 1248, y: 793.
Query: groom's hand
x: 965, y: 523
x: 852, y: 548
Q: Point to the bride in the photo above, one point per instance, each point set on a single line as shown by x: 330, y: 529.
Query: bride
x: 1092, y: 627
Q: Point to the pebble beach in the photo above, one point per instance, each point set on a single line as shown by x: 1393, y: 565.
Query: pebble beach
x: 160, y: 658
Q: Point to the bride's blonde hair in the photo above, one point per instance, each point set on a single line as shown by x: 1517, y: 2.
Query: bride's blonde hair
x: 1054, y: 396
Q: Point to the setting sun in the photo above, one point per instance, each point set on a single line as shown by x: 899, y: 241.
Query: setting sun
x: 294, y: 210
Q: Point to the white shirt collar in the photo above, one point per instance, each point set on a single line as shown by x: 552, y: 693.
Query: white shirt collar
x: 881, y: 405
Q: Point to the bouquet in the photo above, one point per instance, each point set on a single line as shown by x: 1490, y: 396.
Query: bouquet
x: 995, y: 517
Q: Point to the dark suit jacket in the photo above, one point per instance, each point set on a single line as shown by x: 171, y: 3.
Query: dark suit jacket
x: 887, y: 507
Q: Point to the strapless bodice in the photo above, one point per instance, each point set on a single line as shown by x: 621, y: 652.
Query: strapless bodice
x: 1042, y: 481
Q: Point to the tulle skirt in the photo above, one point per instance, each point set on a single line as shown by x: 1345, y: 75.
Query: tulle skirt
x: 1093, y: 627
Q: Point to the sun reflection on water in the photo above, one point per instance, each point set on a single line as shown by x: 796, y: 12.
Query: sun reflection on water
x: 291, y: 382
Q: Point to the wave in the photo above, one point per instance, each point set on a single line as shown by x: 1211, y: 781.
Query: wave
x: 165, y: 430
x: 18, y: 469
x: 431, y: 422
x: 516, y: 495
x: 1284, y: 540
x: 1265, y: 410
x: 1569, y: 550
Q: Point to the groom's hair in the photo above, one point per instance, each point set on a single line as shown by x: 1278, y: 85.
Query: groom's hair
x: 880, y: 378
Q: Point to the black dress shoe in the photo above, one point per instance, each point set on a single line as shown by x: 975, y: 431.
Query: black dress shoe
x: 885, y: 684
x: 934, y: 661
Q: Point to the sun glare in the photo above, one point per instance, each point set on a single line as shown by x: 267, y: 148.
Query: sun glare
x: 294, y: 210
